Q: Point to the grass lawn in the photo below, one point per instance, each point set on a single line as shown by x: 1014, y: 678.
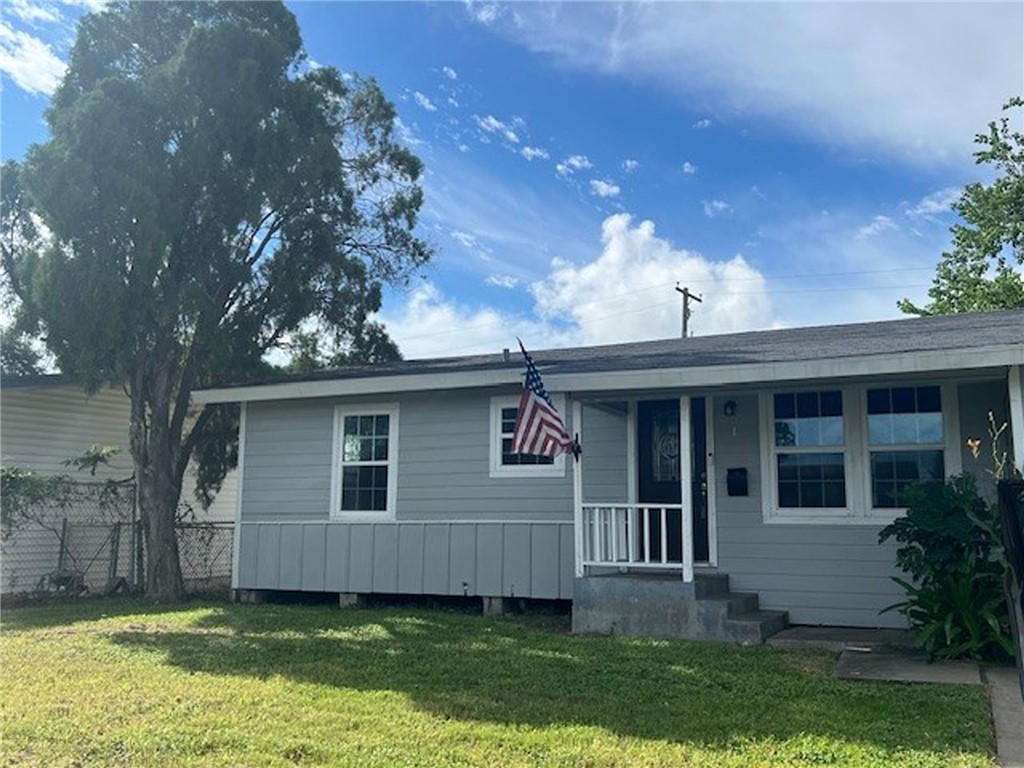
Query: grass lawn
x: 120, y: 682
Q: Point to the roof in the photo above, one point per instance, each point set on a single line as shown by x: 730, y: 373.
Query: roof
x: 981, y: 332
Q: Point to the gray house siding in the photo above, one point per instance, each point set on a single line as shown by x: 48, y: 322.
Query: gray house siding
x: 458, y: 531
x: 528, y: 559
x: 446, y: 537
x: 822, y: 574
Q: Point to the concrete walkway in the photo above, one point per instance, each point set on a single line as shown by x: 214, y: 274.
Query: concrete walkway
x: 889, y: 655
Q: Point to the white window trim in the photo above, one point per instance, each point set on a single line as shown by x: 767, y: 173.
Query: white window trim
x: 366, y: 409
x: 557, y: 469
x: 857, y: 456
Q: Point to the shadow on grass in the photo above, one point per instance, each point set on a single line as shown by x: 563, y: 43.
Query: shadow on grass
x: 471, y: 668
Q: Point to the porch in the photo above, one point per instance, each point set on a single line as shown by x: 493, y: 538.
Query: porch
x: 648, y: 566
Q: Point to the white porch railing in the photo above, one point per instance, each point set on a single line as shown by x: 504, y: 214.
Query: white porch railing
x: 633, y: 535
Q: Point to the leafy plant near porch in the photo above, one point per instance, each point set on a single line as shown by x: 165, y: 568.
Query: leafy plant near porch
x: 951, y: 548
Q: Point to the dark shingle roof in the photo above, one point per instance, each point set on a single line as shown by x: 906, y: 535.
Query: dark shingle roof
x: 892, y: 337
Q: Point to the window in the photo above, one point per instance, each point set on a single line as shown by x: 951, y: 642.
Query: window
x: 906, y: 424
x: 365, y: 446
x: 505, y: 463
x: 845, y: 454
x: 808, y: 450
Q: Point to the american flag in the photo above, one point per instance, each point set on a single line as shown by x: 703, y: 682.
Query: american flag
x: 539, y: 429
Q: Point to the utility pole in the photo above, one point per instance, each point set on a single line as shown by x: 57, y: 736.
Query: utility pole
x: 687, y: 297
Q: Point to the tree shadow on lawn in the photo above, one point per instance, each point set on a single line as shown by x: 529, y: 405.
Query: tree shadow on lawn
x: 477, y: 669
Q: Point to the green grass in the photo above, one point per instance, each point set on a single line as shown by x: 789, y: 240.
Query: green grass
x: 123, y: 683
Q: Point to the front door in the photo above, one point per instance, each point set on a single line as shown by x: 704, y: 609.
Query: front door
x: 658, y: 473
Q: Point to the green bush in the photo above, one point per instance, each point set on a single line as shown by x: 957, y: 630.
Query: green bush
x: 951, y: 548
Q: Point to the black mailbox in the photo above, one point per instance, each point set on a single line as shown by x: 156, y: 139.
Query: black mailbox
x: 736, y: 481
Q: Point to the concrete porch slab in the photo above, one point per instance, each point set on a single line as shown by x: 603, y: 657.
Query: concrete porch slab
x: 838, y: 639
x: 1007, y: 714
x: 904, y: 667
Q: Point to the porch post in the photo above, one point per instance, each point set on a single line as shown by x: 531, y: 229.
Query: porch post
x: 577, y: 487
x: 1015, y: 383
x: 686, y: 485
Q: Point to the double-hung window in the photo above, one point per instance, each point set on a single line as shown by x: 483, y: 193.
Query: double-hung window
x: 809, y: 450
x: 505, y: 462
x: 906, y: 440
x: 365, y: 448
x: 845, y: 455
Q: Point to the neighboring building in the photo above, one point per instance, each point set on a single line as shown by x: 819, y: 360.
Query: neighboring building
x: 46, y: 420
x: 398, y: 478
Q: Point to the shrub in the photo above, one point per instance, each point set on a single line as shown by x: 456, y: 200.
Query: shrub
x: 951, y: 548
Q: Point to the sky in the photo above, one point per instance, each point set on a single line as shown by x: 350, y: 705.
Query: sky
x: 792, y: 164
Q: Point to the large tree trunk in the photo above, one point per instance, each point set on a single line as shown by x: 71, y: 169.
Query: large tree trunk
x: 155, y: 447
x: 158, y: 502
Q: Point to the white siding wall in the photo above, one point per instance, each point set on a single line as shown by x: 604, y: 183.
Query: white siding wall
x: 41, y: 427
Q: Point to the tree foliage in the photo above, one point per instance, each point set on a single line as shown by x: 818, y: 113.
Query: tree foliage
x: 207, y: 198
x: 983, y: 270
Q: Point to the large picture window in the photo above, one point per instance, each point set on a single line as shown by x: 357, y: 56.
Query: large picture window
x: 506, y: 463
x: 365, y: 447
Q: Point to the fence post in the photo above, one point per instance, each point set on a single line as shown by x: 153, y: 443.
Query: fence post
x: 115, y: 550
x: 63, y: 544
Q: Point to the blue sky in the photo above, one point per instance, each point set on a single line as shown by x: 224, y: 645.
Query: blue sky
x: 792, y: 163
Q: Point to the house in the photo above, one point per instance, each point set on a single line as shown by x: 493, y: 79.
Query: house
x: 46, y: 420
x: 727, y: 483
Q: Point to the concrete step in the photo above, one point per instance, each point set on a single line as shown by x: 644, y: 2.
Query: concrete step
x: 755, y: 627
x: 709, y: 585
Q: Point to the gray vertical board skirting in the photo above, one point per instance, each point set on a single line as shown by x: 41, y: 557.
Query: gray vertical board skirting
x: 515, y: 560
x: 267, y: 553
x: 566, y: 562
x: 434, y: 558
x: 385, y: 559
x: 290, y: 557
x: 462, y: 556
x: 338, y: 544
x: 410, y: 559
x: 247, y: 553
x: 544, y: 549
x: 314, y: 558
x: 488, y: 559
x: 360, y: 562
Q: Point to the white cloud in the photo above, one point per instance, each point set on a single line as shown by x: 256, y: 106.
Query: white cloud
x: 485, y: 13
x: 878, y: 225
x: 491, y: 124
x: 702, y: 124
x: 34, y: 12
x: 534, y: 153
x: 604, y: 188
x: 629, y: 166
x: 573, y: 163
x: 900, y: 80
x: 502, y: 281
x: 428, y: 324
x: 627, y: 292
x: 424, y: 101
x: 450, y: 73
x: 453, y: 102
x: 713, y: 208
x: 29, y: 62
x: 938, y: 203
x: 689, y: 168
x: 471, y: 243
x: 406, y: 134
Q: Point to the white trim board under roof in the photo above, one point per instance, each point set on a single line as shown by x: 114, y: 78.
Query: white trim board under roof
x: 918, y: 345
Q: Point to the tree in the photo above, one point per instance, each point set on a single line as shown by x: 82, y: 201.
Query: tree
x: 982, y: 272
x: 207, y: 195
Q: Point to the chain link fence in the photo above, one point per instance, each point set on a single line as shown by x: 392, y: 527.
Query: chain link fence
x: 86, y: 539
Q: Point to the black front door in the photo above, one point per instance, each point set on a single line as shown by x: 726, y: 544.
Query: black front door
x: 658, y: 473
